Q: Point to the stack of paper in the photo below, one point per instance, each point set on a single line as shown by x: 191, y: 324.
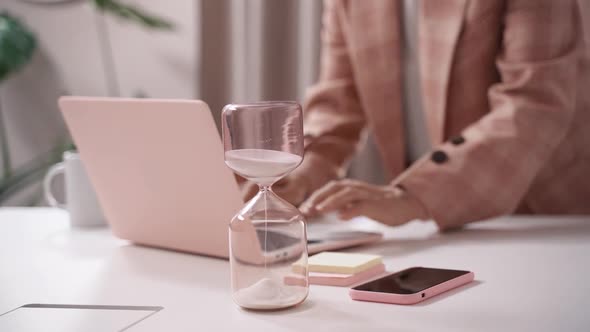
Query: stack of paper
x: 343, y: 269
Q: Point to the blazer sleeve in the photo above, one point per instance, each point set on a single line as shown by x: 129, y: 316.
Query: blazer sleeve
x: 487, y: 171
x: 333, y: 119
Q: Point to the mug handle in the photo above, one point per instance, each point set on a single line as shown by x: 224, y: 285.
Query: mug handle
x: 53, y: 171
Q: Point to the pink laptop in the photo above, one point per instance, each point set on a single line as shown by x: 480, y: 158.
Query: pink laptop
x: 158, y: 171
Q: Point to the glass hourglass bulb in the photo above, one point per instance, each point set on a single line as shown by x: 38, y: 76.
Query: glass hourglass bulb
x: 263, y: 142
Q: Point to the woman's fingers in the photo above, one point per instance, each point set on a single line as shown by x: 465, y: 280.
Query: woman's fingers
x: 353, y: 210
x: 309, y: 206
x: 338, y: 194
x: 345, y: 196
x: 331, y: 188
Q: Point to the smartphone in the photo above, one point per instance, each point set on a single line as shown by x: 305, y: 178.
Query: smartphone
x: 410, y: 286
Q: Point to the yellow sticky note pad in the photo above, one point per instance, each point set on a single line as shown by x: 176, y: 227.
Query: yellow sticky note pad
x: 344, y: 263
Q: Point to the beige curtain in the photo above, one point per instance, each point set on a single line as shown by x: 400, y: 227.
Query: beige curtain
x: 257, y: 50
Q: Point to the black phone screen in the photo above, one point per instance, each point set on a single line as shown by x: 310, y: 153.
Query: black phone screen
x: 410, y: 281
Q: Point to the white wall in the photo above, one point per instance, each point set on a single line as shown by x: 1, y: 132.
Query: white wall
x: 73, y: 57
x: 161, y: 64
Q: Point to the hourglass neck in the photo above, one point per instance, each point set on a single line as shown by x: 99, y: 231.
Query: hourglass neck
x: 264, y: 188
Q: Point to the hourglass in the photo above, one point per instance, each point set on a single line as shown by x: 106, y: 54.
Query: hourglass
x: 263, y: 142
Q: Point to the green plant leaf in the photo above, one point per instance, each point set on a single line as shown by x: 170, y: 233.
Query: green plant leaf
x: 17, y: 45
x: 133, y: 13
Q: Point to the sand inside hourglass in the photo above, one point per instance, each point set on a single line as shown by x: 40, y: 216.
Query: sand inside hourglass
x: 267, y: 293
x: 265, y: 167
x: 260, y: 165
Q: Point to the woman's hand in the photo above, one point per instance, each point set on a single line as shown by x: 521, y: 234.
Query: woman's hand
x: 350, y: 198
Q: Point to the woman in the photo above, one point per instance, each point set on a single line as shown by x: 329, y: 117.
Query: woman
x: 500, y: 94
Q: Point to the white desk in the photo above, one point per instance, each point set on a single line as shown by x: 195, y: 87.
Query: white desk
x: 532, y: 275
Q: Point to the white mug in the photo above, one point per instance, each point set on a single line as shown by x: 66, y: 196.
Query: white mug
x: 81, y: 201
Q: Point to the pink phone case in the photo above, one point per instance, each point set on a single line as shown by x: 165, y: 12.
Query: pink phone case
x: 411, y: 298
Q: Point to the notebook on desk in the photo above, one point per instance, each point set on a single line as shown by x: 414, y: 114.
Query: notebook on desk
x: 158, y: 171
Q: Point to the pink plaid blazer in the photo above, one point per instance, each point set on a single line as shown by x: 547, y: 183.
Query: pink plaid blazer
x: 506, y: 94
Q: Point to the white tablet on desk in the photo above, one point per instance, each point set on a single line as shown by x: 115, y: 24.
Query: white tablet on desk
x: 74, y: 318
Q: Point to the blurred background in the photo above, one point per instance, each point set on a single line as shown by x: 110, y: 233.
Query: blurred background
x: 220, y: 51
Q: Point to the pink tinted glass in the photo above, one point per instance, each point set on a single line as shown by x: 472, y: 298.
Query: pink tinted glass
x: 264, y: 125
